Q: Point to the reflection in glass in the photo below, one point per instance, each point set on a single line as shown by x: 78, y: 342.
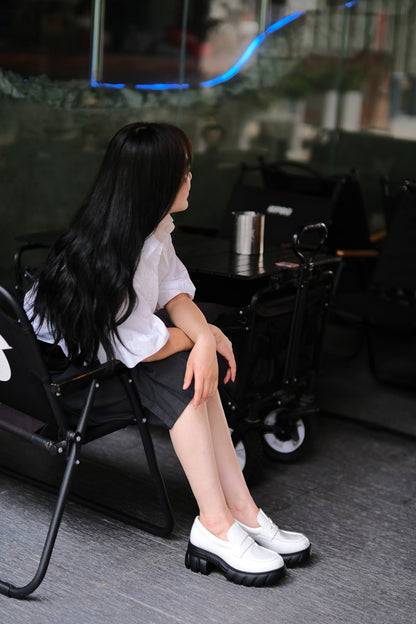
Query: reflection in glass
x: 143, y: 40
x: 41, y: 37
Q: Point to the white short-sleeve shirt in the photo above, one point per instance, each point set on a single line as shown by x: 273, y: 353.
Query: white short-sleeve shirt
x: 159, y: 277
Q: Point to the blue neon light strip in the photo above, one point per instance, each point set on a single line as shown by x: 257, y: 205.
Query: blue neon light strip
x: 236, y: 68
x: 229, y: 73
x: 162, y: 87
x: 250, y: 50
x: 119, y: 85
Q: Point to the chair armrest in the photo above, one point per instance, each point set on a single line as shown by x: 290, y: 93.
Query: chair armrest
x: 378, y: 236
x: 375, y: 238
x: 357, y: 253
x: 72, y: 384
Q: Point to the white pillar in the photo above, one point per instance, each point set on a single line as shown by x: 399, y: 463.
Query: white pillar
x: 330, y: 110
x: 351, y: 109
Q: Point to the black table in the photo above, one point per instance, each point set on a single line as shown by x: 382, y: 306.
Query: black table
x: 222, y: 276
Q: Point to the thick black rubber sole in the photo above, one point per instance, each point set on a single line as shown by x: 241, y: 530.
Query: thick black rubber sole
x: 199, y: 560
x: 297, y: 558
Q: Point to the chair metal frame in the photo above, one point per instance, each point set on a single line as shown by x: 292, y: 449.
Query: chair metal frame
x: 69, y: 440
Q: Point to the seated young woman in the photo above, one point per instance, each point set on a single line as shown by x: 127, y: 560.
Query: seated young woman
x: 97, y: 298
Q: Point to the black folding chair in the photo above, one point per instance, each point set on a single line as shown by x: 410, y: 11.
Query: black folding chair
x: 31, y: 409
x: 385, y: 313
x: 291, y: 195
x: 29, y: 257
x: 287, y: 207
x: 337, y: 200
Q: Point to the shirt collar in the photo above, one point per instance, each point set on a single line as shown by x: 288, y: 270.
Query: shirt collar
x: 165, y: 227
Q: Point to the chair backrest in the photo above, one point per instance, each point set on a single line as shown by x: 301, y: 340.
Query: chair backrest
x: 349, y: 227
x: 291, y: 199
x: 294, y: 176
x: 24, y: 378
x: 396, y: 266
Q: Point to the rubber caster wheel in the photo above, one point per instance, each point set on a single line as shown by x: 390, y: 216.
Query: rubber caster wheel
x: 287, y: 438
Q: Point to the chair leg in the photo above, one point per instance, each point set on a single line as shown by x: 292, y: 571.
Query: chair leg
x: 165, y: 527
x: 149, y: 449
x: 162, y: 529
x: 21, y: 592
x: 72, y: 460
x: 159, y: 482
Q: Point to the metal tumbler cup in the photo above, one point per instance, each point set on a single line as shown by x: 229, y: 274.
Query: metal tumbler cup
x: 248, y: 233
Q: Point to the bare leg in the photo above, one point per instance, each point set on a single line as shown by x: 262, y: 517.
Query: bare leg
x: 202, y: 442
x: 192, y: 441
x: 236, y: 492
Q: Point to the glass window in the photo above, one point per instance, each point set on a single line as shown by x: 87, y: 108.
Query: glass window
x: 50, y: 37
x: 142, y: 42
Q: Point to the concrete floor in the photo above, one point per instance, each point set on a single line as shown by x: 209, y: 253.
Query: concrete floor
x: 354, y: 495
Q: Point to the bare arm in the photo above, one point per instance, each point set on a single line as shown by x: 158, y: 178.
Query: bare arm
x: 202, y: 365
x: 177, y: 341
x: 225, y: 347
x: 202, y: 362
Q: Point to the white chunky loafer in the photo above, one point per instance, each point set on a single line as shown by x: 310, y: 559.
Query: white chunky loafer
x: 239, y: 557
x: 295, y: 548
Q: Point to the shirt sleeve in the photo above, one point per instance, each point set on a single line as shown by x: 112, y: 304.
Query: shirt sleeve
x: 43, y: 331
x: 175, y: 279
x: 159, y: 277
x: 141, y: 335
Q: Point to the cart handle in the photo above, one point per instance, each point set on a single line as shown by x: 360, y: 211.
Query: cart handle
x: 299, y: 247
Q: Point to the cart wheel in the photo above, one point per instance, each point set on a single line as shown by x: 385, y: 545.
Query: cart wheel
x: 249, y: 449
x: 291, y: 438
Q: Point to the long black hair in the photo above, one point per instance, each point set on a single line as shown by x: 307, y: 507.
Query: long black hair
x: 86, y: 289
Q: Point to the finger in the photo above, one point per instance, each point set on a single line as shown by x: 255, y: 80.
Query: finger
x: 198, y: 394
x: 187, y: 380
x: 195, y: 402
x: 206, y: 390
x: 232, y: 368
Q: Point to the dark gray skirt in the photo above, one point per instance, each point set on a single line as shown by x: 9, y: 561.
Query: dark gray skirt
x: 160, y: 389
x: 159, y: 385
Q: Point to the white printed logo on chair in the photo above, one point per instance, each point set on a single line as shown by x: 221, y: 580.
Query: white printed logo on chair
x: 283, y: 211
x: 5, y: 371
